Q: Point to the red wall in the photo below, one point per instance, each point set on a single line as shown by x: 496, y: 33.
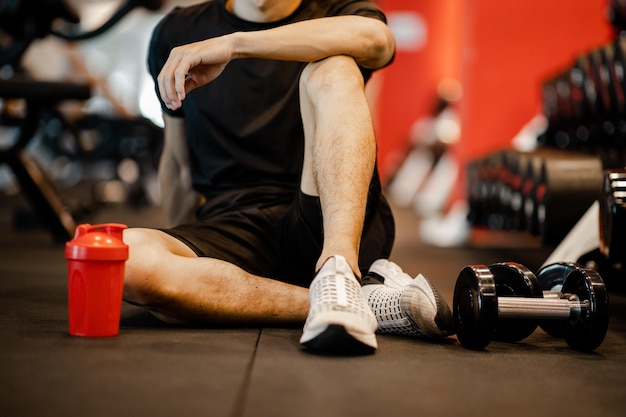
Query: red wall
x: 509, y: 49
x: 406, y: 90
x: 500, y: 50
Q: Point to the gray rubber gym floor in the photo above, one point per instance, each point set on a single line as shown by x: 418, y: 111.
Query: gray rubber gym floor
x: 154, y: 370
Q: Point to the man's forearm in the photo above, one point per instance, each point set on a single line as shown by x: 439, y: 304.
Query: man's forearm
x: 178, y: 200
x: 369, y: 41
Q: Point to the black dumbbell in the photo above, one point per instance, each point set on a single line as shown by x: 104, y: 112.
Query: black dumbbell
x: 551, y: 278
x: 613, y: 215
x: 476, y: 308
x: 505, y: 302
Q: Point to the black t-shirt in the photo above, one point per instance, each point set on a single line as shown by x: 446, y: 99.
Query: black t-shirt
x: 244, y: 129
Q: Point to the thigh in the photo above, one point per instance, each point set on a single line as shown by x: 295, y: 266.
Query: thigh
x: 142, y: 241
x: 247, y: 238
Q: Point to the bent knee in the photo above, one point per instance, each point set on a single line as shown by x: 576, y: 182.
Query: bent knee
x: 332, y: 74
x: 148, y: 250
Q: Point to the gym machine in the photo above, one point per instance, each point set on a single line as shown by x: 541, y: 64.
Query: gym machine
x: 21, y: 23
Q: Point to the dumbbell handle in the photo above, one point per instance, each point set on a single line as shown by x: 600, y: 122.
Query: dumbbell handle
x: 552, y: 294
x: 541, y: 308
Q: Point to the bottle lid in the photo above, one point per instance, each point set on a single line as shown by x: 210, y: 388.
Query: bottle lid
x: 100, y: 242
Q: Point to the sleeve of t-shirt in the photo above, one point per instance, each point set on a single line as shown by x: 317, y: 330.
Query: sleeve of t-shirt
x: 362, y: 8
x: 158, y: 51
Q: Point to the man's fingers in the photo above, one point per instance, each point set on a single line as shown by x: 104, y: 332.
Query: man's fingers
x: 171, y: 80
x: 180, y: 76
x: 166, y: 87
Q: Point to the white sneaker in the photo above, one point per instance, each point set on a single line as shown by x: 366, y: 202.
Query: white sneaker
x: 405, y: 305
x: 340, y: 320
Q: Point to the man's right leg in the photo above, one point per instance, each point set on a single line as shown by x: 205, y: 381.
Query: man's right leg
x: 340, y: 153
x: 172, y: 282
x: 340, y: 150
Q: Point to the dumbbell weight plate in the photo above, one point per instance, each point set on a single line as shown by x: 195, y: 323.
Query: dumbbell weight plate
x: 551, y: 278
x: 588, y: 331
x: 613, y: 215
x: 515, y: 280
x: 475, y: 307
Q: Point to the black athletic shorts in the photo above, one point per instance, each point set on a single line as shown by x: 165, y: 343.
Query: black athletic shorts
x: 278, y: 234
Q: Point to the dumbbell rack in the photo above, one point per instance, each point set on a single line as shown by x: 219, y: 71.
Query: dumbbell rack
x: 539, y: 196
x: 542, y: 193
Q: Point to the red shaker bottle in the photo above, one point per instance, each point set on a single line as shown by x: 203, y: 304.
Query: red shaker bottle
x: 96, y: 260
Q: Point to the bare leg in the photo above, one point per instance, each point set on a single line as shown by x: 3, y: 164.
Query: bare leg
x: 340, y: 150
x: 166, y: 277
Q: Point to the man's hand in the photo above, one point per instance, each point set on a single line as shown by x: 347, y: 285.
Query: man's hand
x: 191, y: 66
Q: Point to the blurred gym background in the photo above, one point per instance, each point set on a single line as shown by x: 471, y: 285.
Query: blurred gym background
x: 483, y: 99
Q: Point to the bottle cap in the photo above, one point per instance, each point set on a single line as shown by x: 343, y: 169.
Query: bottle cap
x: 100, y: 242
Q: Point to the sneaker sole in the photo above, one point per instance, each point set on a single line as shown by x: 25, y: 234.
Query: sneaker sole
x: 335, y: 340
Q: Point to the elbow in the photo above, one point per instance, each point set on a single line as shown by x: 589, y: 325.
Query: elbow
x: 380, y: 45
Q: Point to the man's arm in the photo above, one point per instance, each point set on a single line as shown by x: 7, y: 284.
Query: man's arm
x: 369, y: 41
x: 178, y: 199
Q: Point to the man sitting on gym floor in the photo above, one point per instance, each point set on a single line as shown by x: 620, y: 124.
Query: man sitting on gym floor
x: 267, y: 120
